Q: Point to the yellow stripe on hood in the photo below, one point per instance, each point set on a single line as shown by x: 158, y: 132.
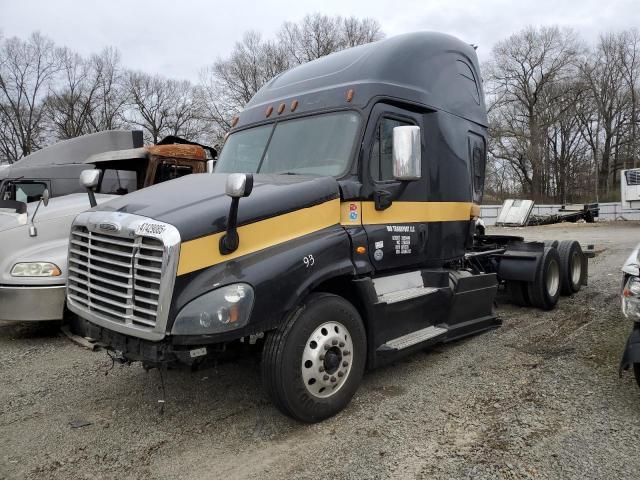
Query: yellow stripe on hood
x: 205, y: 251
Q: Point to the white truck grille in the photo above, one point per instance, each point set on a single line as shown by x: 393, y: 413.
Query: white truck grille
x: 116, y: 277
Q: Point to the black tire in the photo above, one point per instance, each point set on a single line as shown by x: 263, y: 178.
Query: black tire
x: 551, y: 243
x: 544, y: 291
x: 286, y: 348
x: 571, y: 265
x: 636, y: 373
x: 518, y: 292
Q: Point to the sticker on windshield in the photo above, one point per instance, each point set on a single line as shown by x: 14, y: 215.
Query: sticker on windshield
x: 150, y: 229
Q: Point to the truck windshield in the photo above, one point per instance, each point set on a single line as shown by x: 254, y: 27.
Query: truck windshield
x: 318, y: 145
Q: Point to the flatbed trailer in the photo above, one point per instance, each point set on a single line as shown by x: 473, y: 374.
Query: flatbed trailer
x: 336, y: 234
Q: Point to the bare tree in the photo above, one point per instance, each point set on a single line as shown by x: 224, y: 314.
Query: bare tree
x: 27, y: 69
x: 111, y: 93
x: 603, y: 73
x: 162, y: 107
x: 523, y: 67
x: 70, y: 105
x: 630, y: 60
x: 358, y: 32
x: 316, y: 36
x: 231, y: 82
x: 319, y: 35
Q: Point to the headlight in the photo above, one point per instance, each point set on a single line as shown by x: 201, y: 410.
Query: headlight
x: 35, y: 269
x: 221, y: 310
x: 631, y: 299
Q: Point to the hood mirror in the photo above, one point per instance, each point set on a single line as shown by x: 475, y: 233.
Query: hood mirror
x: 89, y: 179
x: 44, y: 199
x: 407, y: 153
x: 238, y: 185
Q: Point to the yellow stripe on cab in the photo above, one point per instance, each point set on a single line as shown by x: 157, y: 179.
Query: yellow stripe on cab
x: 205, y: 252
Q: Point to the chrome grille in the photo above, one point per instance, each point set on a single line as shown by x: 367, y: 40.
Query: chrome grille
x: 117, y: 277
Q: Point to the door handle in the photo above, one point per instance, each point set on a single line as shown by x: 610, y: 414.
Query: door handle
x: 422, y: 229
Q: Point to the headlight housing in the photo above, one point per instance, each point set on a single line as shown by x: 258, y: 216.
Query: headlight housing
x: 35, y: 269
x: 631, y: 299
x: 221, y: 310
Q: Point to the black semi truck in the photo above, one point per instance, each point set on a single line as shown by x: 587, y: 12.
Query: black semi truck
x: 337, y: 232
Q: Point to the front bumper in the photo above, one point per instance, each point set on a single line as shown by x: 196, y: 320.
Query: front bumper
x: 135, y: 349
x: 32, y: 303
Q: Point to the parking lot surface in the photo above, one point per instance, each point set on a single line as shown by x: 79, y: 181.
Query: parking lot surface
x: 539, y: 397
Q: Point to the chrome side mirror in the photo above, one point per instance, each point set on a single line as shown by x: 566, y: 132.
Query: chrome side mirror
x: 89, y: 179
x: 407, y: 153
x: 238, y: 185
x: 44, y: 199
x: 210, y: 165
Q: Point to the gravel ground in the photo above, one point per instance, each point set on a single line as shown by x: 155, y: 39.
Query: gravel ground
x: 538, y: 398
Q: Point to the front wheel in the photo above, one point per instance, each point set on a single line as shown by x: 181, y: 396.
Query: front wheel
x: 312, y: 365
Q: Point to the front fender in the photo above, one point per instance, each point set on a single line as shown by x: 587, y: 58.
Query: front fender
x: 279, y: 275
x: 51, y: 245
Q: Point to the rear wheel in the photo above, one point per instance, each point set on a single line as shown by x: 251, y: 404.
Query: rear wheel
x: 571, y: 262
x: 544, y: 291
x: 313, y: 364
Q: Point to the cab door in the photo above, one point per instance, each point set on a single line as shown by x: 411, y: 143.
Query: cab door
x: 392, y: 211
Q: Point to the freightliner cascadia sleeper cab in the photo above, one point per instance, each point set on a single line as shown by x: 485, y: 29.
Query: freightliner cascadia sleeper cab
x: 337, y: 231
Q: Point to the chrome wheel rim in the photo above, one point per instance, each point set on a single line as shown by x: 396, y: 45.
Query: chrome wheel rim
x: 327, y: 359
x: 576, y: 268
x: 553, y: 278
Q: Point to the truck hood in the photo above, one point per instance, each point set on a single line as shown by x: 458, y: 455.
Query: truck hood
x: 58, y: 207
x: 197, y: 204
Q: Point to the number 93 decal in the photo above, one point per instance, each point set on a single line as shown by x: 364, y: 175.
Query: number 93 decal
x: 308, y: 261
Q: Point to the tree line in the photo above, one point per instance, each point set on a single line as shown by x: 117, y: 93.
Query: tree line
x: 564, y: 115
x: 50, y: 93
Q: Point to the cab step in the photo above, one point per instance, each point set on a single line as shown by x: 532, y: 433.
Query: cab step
x: 401, y: 287
x: 408, y: 294
x: 413, y: 338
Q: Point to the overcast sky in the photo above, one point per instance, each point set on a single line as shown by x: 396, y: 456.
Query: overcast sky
x: 178, y: 38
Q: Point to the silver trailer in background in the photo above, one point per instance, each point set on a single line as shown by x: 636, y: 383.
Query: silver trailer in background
x: 630, y: 188
x: 519, y: 213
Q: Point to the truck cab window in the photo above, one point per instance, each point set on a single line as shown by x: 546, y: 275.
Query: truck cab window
x: 313, y: 145
x: 170, y: 170
x: 382, y: 150
x: 118, y: 182
x: 243, y: 150
x: 26, y: 191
